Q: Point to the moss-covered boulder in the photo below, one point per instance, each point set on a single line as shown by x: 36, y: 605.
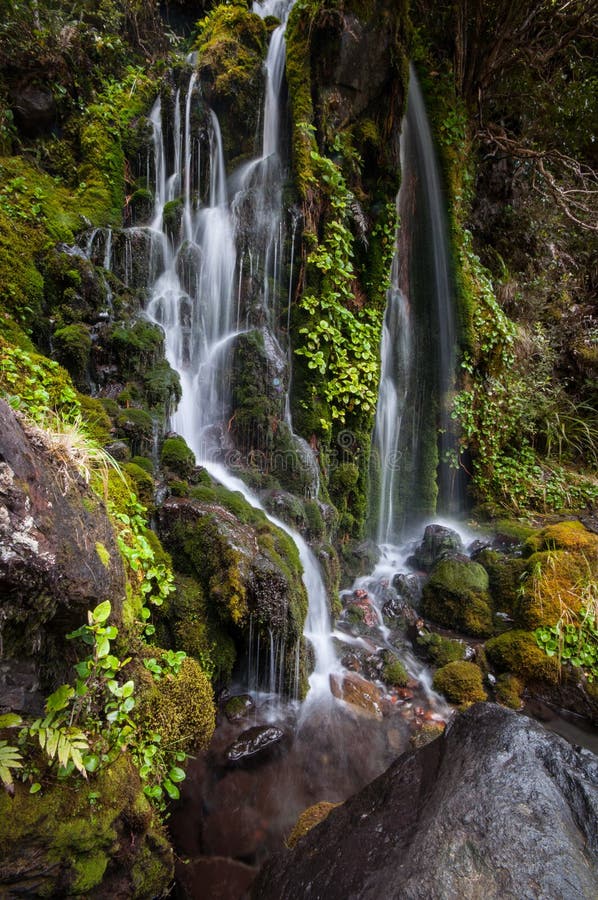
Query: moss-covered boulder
x: 518, y: 653
x: 460, y: 682
x: 552, y: 585
x: 231, y: 48
x: 456, y: 595
x: 95, y: 839
x: 439, y: 650
x: 505, y: 574
x: 438, y: 542
x: 249, y: 570
x: 177, y: 457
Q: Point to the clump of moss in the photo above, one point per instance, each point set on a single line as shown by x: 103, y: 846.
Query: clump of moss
x: 308, y: 819
x: 143, y: 484
x: 97, y: 422
x: 440, y: 650
x: 177, y: 457
x: 394, y: 672
x: 518, y: 653
x: 180, y: 708
x: 74, y: 845
x: 551, y: 584
x: 72, y: 346
x: 460, y: 682
x: 571, y: 536
x: 456, y: 595
x: 508, y: 690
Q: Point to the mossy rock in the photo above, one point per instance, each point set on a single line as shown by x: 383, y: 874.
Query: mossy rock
x: 143, y: 484
x: 72, y: 347
x: 95, y: 418
x: 518, y: 653
x: 460, y: 682
x: 145, y: 463
x: 137, y: 426
x: 571, y: 536
x: 308, y: 819
x: 178, y: 707
x: 505, y: 577
x: 177, y: 457
x: 440, y: 650
x: 553, y: 584
x: 456, y: 596
x: 394, y: 672
x: 59, y: 843
x: 508, y: 690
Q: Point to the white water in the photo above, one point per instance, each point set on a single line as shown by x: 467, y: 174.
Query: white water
x: 419, y: 322
x: 199, y: 312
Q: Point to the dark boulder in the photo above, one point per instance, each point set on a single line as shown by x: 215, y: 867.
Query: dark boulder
x: 58, y: 555
x: 438, y: 542
x: 496, y: 808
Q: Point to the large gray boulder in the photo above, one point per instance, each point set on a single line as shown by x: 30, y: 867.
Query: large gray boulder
x: 496, y: 808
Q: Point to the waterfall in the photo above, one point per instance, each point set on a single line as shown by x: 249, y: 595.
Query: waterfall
x: 196, y: 295
x: 412, y: 430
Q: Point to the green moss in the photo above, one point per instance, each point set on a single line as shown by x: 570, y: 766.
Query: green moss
x: 180, y: 708
x: 456, y: 595
x: 143, y: 484
x: 103, y: 554
x: 395, y: 673
x: 440, y: 650
x: 571, y: 536
x: 505, y: 574
x: 96, y: 421
x: 177, y: 456
x: 73, y: 841
x: 88, y: 872
x: 72, y: 346
x: 518, y: 653
x: 137, y: 426
x: 308, y: 819
x: 424, y: 735
x: 145, y: 463
x: 460, y: 682
x: 509, y: 689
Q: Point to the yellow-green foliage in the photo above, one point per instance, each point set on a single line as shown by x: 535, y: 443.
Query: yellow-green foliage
x: 518, y: 653
x: 179, y: 707
x: 308, y: 819
x: 571, y: 536
x: 552, y: 583
x: 460, y: 682
x: 70, y: 841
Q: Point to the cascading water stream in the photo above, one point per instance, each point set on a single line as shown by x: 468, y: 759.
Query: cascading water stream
x: 413, y: 428
x: 195, y: 297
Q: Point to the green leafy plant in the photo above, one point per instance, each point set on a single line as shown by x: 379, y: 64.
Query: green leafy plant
x: 573, y: 640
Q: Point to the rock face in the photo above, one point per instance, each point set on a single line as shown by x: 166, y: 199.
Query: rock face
x: 58, y: 557
x: 496, y: 808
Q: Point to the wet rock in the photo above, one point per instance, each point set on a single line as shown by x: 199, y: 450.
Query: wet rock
x: 364, y: 696
x: 58, y: 555
x: 255, y: 741
x: 238, y: 707
x: 495, y: 808
x: 358, y: 558
x: 408, y: 587
x: 438, y: 543
x: 456, y: 596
